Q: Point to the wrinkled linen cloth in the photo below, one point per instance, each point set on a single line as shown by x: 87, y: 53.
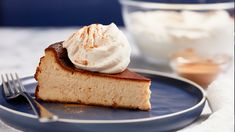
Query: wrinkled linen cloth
x: 220, y: 95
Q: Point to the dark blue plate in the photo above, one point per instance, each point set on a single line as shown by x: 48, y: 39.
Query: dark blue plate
x: 176, y: 103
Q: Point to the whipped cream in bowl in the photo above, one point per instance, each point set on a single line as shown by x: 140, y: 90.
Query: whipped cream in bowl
x: 162, y: 33
x: 99, y: 48
x: 161, y: 29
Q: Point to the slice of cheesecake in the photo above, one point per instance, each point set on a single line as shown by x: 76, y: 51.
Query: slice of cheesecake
x: 60, y: 81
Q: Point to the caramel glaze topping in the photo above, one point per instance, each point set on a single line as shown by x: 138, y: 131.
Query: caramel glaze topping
x: 63, y: 61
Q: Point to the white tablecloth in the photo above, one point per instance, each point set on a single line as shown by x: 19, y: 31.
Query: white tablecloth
x: 21, y: 48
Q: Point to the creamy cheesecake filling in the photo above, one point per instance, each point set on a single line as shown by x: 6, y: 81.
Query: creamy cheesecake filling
x: 57, y: 84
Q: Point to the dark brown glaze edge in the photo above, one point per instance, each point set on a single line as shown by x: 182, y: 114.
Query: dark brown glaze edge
x: 63, y: 60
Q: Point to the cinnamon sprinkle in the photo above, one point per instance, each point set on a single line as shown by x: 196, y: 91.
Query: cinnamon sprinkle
x: 88, y: 29
x: 85, y: 62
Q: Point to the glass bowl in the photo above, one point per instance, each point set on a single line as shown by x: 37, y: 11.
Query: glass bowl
x: 162, y: 29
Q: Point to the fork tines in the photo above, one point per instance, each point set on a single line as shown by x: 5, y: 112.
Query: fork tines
x: 12, y: 85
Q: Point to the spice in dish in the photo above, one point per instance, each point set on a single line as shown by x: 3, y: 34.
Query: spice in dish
x: 199, y: 69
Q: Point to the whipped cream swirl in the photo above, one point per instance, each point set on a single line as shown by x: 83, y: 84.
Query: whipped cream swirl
x: 99, y: 48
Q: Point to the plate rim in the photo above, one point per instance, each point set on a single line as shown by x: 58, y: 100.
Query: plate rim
x: 163, y: 74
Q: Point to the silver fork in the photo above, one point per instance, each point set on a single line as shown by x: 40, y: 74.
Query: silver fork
x: 13, y: 88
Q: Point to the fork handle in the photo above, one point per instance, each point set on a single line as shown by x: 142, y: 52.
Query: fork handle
x: 43, y: 114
